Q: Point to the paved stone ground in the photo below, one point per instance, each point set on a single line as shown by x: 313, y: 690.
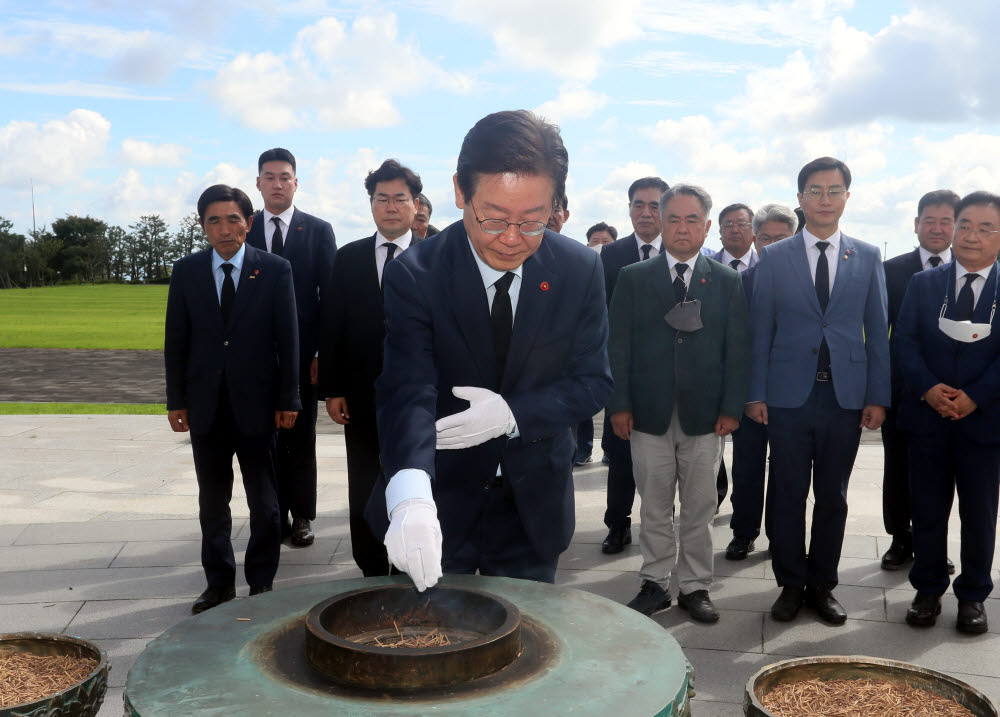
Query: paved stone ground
x: 99, y: 538
x: 82, y: 376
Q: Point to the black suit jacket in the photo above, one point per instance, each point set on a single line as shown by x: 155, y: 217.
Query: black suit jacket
x: 310, y: 248
x: 614, y: 256
x: 898, y: 271
x: 255, y: 353
x: 353, y: 328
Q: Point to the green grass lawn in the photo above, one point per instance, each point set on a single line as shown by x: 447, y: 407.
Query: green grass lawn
x: 103, y: 316
x: 132, y: 409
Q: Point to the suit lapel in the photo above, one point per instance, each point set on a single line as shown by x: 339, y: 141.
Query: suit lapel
x: 848, y: 267
x: 633, y: 248
x: 800, y: 270
x: 468, y: 302
x: 207, y: 290
x: 246, y: 288
x: 915, y: 263
x: 981, y: 314
x: 664, y: 285
x: 255, y: 237
x: 541, y: 287
x: 701, y: 279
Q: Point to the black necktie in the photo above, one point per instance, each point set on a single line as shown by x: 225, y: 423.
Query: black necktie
x: 735, y: 263
x: 934, y: 261
x: 502, y: 321
x: 966, y: 300
x: 277, y: 241
x: 390, y: 251
x: 679, y: 288
x: 228, y: 293
x: 645, y: 251
x: 822, y: 276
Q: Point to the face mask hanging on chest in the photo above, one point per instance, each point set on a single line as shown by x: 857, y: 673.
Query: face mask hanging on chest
x: 685, y: 316
x: 966, y: 331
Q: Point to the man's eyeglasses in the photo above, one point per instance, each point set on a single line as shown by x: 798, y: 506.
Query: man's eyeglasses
x: 983, y: 231
x: 381, y: 200
x: 499, y: 226
x: 735, y: 225
x: 817, y: 192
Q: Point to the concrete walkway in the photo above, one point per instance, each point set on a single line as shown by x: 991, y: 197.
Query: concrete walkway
x: 99, y: 538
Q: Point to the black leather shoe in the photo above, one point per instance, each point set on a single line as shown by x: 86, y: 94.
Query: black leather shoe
x: 302, y: 534
x: 651, y: 598
x: 582, y: 460
x: 618, y: 538
x: 972, y: 617
x: 699, y: 605
x: 899, y: 554
x: 260, y: 589
x: 212, y: 597
x: 826, y: 606
x: 786, y: 607
x: 739, y: 548
x: 951, y: 566
x: 924, y: 610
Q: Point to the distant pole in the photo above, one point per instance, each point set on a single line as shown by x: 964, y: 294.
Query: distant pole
x: 34, y: 230
x: 885, y: 251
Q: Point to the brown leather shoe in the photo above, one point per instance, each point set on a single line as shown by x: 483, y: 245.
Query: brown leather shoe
x: 302, y: 534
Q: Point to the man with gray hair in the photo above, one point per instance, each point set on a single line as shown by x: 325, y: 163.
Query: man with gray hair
x: 676, y: 320
x: 422, y: 219
x: 771, y: 223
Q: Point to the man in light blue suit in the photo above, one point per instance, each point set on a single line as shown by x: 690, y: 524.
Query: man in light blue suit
x: 819, y: 373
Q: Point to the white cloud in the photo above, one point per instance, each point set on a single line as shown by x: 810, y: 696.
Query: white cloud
x: 54, y: 153
x: 666, y: 63
x: 345, y: 78
x: 573, y: 102
x: 75, y: 88
x: 146, y: 154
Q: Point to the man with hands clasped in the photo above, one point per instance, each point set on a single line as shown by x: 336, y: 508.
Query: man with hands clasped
x: 496, y: 337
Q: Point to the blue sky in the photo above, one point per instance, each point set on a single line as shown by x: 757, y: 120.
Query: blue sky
x: 117, y: 109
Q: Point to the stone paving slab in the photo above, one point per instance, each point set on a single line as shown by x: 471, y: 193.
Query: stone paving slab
x: 55, y: 557
x: 88, y: 376
x: 125, y: 619
x: 89, y: 532
x: 37, y: 616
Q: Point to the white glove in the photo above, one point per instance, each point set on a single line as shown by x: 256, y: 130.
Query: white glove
x: 488, y: 417
x: 413, y: 541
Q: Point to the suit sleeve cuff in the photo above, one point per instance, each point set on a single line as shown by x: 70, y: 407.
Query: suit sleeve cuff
x: 407, y: 483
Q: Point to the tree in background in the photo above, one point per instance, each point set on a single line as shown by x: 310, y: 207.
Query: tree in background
x: 190, y: 238
x: 84, y: 248
x: 12, y: 257
x: 118, y: 259
x: 40, y: 258
x: 152, y: 247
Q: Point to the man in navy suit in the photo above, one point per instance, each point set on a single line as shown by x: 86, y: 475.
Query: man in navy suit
x: 643, y: 243
x: 934, y: 227
x: 771, y: 223
x: 819, y: 374
x: 950, y: 360
x: 309, y: 246
x: 231, y: 352
x: 496, y: 344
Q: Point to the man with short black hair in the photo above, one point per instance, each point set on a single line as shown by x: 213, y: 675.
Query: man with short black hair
x: 601, y: 234
x: 351, y: 342
x: 422, y: 219
x: 935, y: 228
x: 560, y: 214
x: 949, y: 357
x: 308, y: 244
x: 643, y: 243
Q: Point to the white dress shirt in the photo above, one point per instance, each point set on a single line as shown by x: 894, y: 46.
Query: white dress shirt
x: 977, y: 284
x: 833, y: 257
x: 925, y: 257
x: 220, y: 275
x: 382, y: 250
x: 656, y: 244
x: 744, y: 261
x: 286, y: 222
x: 672, y: 263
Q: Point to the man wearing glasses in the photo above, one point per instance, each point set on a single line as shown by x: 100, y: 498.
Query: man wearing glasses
x: 950, y: 360
x: 819, y: 374
x: 496, y: 345
x: 350, y: 356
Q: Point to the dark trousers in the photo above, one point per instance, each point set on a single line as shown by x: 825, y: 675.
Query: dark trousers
x: 498, y: 545
x: 363, y: 466
x: 621, y: 482
x: 749, y: 463
x: 584, y: 440
x: 213, y: 464
x: 941, y: 464
x: 895, y: 479
x: 296, y: 458
x: 816, y: 442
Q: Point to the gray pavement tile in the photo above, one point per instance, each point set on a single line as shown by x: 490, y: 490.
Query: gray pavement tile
x: 742, y: 593
x: 103, y: 584
x: 114, y: 703
x: 328, y: 524
x: 36, y: 617
x: 15, y: 425
x: 58, y: 557
x: 620, y: 587
x: 9, y: 533
x: 858, y: 571
x: 707, y: 708
x: 860, y: 546
x: 753, y: 566
x: 721, y: 675
x: 135, y: 504
x: 292, y: 575
x: 169, y: 553
x: 588, y: 556
x: 114, y: 531
x: 737, y: 631
x: 122, y: 654
x: 899, y: 600
x: 989, y: 686
x: 123, y: 619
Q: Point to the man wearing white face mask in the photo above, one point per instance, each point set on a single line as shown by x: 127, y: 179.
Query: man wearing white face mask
x: 950, y: 360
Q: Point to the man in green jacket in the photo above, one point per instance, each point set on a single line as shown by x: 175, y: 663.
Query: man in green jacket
x: 680, y: 357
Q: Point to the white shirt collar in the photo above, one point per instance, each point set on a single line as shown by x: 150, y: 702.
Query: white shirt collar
x: 236, y: 260
x: 745, y: 259
x: 656, y: 244
x: 402, y: 242
x: 673, y: 261
x: 811, y: 240
x: 926, y: 255
x: 487, y: 272
x: 961, y: 271
x: 285, y: 216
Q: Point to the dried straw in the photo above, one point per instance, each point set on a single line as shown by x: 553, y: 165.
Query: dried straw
x: 858, y: 698
x: 26, y: 677
x: 434, y: 638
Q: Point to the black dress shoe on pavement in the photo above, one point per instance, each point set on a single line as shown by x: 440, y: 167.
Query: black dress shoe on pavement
x: 302, y: 534
x: 582, y: 461
x: 971, y: 617
x: 739, y: 548
x: 899, y: 554
x: 951, y: 566
x: 260, y: 589
x: 618, y: 538
x: 212, y: 597
x: 826, y: 606
x: 651, y: 598
x: 699, y: 605
x: 924, y: 610
x: 786, y: 607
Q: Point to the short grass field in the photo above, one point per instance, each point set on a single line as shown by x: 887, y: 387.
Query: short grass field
x: 103, y: 316
x: 83, y: 409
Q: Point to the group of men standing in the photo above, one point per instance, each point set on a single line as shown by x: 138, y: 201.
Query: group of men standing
x: 459, y: 367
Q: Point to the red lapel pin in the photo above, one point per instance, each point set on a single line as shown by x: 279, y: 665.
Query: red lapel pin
x: 298, y: 229
x: 544, y: 286
x: 702, y: 280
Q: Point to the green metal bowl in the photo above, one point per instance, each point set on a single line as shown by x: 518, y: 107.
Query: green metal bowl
x: 83, y: 699
x: 859, y: 667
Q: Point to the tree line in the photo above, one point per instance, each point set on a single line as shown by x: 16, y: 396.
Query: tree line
x: 84, y: 249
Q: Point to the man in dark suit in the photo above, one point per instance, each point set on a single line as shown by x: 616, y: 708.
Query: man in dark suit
x: 771, y: 223
x: 819, y: 374
x: 422, y: 219
x: 643, y: 243
x: 308, y: 244
x: 680, y: 357
x: 934, y: 227
x: 496, y: 345
x: 351, y: 342
x: 231, y: 353
x: 950, y: 360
